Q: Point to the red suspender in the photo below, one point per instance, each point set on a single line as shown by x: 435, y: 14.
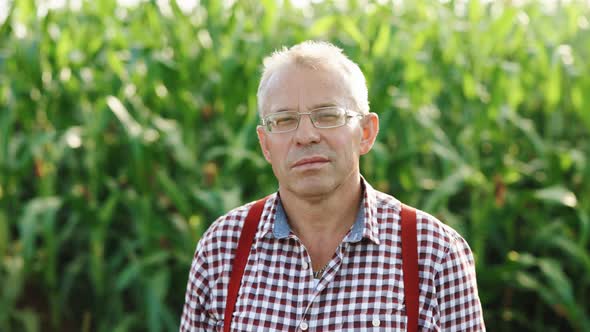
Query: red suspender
x: 409, y: 263
x: 242, y: 253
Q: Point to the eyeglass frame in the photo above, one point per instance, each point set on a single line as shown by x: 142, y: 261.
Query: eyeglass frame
x: 348, y: 114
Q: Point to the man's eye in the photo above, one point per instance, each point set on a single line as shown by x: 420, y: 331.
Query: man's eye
x: 328, y: 117
x: 284, y: 121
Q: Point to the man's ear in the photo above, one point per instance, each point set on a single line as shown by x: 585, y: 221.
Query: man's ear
x: 262, y: 140
x: 370, y: 129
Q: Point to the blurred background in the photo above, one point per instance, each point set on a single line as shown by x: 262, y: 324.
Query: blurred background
x: 127, y: 127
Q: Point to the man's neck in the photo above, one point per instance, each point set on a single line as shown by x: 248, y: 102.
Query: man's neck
x: 321, y: 223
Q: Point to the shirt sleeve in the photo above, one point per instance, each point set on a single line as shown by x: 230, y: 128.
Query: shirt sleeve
x: 456, y: 286
x: 195, y: 316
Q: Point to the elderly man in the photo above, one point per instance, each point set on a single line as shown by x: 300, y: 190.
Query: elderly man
x: 325, y: 251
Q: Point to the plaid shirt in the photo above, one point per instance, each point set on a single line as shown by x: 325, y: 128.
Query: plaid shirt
x: 361, y: 289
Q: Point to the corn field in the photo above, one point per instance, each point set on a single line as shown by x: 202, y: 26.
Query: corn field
x: 126, y: 129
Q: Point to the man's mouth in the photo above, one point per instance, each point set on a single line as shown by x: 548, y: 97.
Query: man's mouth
x: 311, y: 162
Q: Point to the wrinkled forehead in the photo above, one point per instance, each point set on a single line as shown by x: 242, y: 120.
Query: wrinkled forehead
x: 300, y: 88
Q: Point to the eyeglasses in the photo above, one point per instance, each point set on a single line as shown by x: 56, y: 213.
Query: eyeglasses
x: 322, y: 118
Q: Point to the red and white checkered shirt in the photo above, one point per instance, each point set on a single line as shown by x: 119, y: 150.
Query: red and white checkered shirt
x: 361, y: 289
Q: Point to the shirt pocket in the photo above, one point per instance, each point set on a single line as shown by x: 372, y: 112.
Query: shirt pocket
x: 377, y: 321
x: 387, y: 316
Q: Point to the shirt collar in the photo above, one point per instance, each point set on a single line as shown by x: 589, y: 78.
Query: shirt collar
x: 364, y: 226
x: 281, y: 227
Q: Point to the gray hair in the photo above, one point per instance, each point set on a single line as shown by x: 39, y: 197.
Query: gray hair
x: 316, y: 55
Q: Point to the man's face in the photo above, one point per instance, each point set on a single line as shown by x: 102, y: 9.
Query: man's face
x: 311, y: 162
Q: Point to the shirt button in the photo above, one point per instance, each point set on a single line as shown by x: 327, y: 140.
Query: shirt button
x: 376, y: 322
x: 305, y: 265
x: 304, y: 326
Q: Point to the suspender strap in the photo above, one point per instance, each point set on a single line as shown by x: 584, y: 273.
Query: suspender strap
x: 240, y: 260
x: 410, y: 265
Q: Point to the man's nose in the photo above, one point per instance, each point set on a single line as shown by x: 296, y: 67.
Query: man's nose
x: 306, y: 132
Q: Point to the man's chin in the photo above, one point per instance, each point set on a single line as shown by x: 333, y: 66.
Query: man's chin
x: 312, y: 188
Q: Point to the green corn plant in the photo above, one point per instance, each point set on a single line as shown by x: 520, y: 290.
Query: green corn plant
x: 125, y: 131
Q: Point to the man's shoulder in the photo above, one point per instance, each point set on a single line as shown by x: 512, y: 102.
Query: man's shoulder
x: 226, y: 229
x: 433, y: 228
x: 432, y: 232
x: 438, y: 240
